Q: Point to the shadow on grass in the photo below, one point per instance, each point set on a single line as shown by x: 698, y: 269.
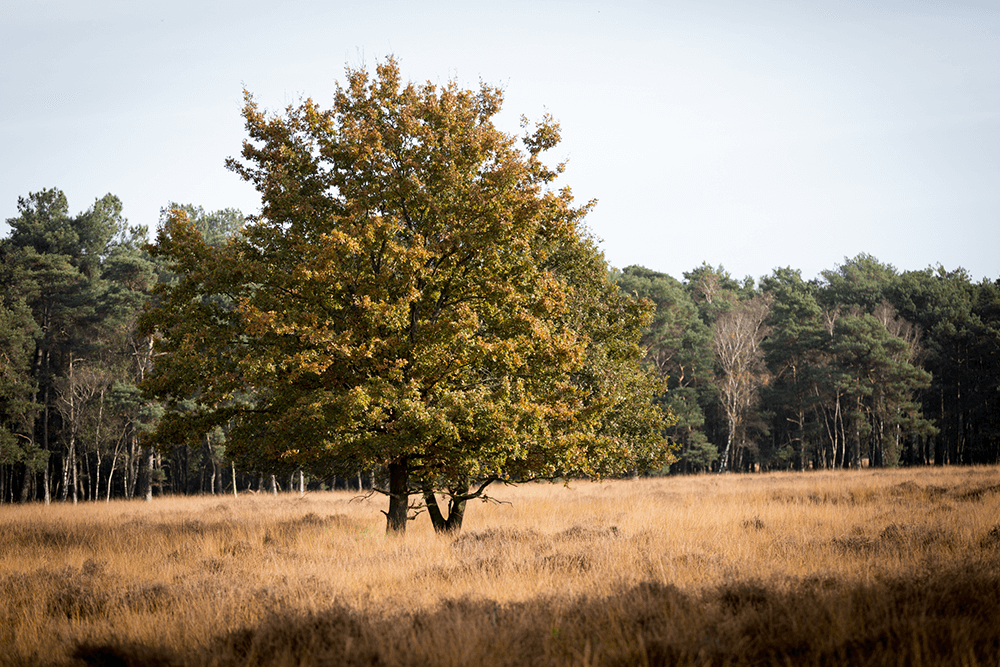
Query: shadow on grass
x: 947, y: 617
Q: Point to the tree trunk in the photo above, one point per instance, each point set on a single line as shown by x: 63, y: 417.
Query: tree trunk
x: 399, y: 496
x: 131, y: 465
x: 86, y: 476
x: 456, y: 510
x: 959, y: 441
x: 76, y: 476
x: 147, y: 455
x: 856, y: 444
x: 45, y: 434
x: 27, y: 488
x: 802, y: 463
x: 842, y: 435
x: 69, y: 470
x: 724, y: 463
x: 97, y: 448
x: 111, y: 473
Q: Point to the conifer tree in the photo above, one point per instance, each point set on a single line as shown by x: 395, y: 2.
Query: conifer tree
x: 678, y: 346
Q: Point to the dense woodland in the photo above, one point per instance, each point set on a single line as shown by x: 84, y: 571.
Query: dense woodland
x: 71, y: 361
x: 864, y: 366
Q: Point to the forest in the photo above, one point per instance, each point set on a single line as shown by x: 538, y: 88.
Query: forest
x: 864, y: 366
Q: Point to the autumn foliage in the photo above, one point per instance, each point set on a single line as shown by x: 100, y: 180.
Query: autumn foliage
x: 416, y: 295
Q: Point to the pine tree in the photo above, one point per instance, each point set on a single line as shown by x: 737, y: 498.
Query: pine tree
x: 678, y: 346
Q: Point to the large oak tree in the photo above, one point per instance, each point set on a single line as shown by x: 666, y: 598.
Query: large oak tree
x: 416, y: 295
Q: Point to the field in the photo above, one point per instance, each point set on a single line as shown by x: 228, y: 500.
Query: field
x: 859, y: 568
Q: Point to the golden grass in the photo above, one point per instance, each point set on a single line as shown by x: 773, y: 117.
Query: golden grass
x: 826, y: 568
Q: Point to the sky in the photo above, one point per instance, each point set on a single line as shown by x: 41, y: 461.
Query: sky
x: 748, y: 134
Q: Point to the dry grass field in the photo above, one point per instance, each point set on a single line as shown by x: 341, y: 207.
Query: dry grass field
x: 848, y: 568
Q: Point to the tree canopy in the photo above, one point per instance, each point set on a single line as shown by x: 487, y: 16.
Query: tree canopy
x: 416, y: 295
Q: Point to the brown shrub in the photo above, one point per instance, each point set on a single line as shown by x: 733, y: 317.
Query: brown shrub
x: 979, y: 493
x: 992, y: 538
x: 495, y: 538
x: 567, y: 563
x: 589, y: 533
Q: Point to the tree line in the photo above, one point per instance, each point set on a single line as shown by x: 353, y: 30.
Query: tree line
x: 862, y: 366
x: 72, y: 415
x: 865, y: 365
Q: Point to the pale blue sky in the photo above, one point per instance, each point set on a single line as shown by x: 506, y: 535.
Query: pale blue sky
x: 742, y: 133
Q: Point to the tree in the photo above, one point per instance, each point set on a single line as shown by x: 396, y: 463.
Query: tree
x: 877, y: 376
x: 984, y: 390
x: 736, y: 338
x: 414, y: 295
x: 197, y: 466
x: 713, y: 291
x: 216, y: 227
x: 125, y: 356
x: 55, y: 264
x: 678, y: 346
x: 959, y: 337
x: 18, y: 408
x: 862, y: 282
x: 792, y: 354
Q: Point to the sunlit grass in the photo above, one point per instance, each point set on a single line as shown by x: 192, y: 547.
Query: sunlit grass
x: 826, y: 568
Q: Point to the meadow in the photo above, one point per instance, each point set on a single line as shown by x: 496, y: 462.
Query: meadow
x: 870, y: 567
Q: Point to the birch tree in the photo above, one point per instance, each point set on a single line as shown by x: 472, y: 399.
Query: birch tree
x: 736, y: 339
